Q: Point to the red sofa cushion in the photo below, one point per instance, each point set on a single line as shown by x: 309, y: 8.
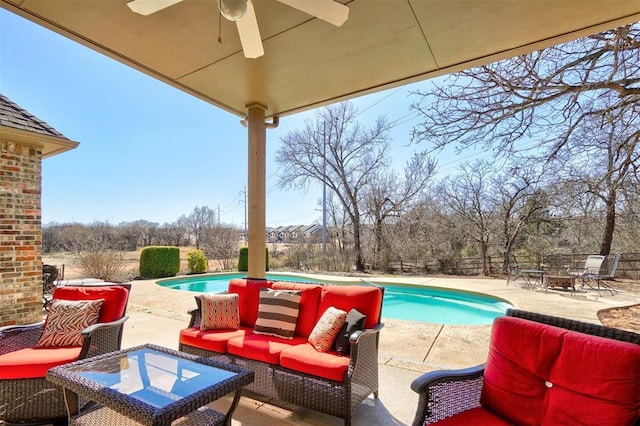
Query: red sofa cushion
x: 306, y: 359
x: 248, y: 292
x: 366, y: 299
x: 115, y: 298
x: 261, y: 348
x: 211, y: 340
x: 308, y: 305
x: 474, y: 416
x: 32, y: 363
x: 540, y: 374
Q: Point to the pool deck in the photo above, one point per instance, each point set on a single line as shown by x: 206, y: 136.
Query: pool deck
x: 407, y: 349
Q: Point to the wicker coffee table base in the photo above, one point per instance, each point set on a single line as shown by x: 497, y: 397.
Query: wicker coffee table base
x: 103, y: 416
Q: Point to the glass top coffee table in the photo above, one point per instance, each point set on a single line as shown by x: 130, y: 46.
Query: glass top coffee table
x: 150, y: 385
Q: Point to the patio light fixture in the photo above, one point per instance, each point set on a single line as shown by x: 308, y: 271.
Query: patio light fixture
x: 233, y: 10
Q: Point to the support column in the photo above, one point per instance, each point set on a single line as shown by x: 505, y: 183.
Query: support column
x: 256, y: 190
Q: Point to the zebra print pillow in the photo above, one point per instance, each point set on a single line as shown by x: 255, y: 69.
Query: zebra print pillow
x: 278, y: 312
x: 66, y: 320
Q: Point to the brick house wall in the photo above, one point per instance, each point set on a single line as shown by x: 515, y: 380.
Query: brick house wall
x: 20, y: 233
x: 25, y: 141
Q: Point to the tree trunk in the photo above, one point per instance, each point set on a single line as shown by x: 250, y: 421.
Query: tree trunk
x: 610, y: 223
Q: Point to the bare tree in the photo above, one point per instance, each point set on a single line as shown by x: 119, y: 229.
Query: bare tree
x: 519, y: 202
x: 542, y: 103
x: 198, y: 221
x: 222, y: 243
x: 390, y: 196
x: 467, y: 194
x: 337, y: 150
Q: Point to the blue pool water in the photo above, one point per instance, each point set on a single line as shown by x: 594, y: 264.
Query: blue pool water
x: 405, y: 302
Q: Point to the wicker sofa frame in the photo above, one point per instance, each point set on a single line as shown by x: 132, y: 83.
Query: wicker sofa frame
x: 444, y: 393
x: 36, y: 400
x: 331, y: 397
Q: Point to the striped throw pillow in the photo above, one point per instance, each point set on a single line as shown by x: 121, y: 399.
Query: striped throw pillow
x: 66, y: 321
x: 278, y: 313
x: 219, y: 311
x: 327, y: 328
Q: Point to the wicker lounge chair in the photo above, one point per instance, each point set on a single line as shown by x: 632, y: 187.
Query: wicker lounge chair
x: 25, y: 394
x: 537, y: 383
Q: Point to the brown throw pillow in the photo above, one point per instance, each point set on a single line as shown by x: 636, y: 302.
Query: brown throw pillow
x: 278, y: 313
x: 219, y: 311
x: 66, y: 321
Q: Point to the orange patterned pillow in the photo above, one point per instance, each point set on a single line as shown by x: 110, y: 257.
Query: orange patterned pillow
x: 219, y: 311
x: 327, y: 328
x: 66, y: 320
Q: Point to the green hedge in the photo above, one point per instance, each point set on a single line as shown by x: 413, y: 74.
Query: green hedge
x: 197, y: 262
x: 243, y: 259
x: 159, y: 262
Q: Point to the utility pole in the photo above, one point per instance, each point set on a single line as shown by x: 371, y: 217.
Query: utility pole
x: 245, y: 215
x: 324, y: 188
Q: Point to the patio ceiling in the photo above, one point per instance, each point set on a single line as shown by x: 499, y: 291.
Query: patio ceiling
x: 309, y: 63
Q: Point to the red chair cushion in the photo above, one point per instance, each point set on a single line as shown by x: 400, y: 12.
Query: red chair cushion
x: 115, y: 298
x: 474, y: 416
x: 308, y: 305
x: 306, y: 359
x: 248, y: 292
x: 539, y: 374
x: 33, y: 363
x: 261, y: 348
x: 211, y: 340
x: 366, y: 299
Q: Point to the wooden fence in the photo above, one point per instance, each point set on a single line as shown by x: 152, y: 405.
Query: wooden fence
x: 628, y: 267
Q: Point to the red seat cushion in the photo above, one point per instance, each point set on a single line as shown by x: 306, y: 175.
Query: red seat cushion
x: 306, y: 359
x: 32, y: 363
x: 539, y: 374
x: 308, y: 305
x: 474, y: 416
x: 248, y: 292
x: 261, y: 348
x: 115, y: 298
x: 211, y: 340
x: 366, y: 299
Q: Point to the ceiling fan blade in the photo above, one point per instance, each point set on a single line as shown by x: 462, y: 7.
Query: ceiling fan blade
x: 330, y: 11
x: 250, y: 33
x: 147, y: 7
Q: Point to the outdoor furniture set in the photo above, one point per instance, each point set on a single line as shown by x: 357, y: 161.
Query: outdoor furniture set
x: 593, y: 275
x: 541, y: 370
x: 82, y: 322
x: 313, y: 345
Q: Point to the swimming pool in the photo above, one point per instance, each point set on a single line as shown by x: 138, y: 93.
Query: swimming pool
x: 401, y: 301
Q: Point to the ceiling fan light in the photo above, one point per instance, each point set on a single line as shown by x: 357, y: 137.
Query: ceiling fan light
x: 233, y: 10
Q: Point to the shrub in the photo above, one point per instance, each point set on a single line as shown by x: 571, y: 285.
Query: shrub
x: 159, y: 262
x: 243, y: 259
x: 106, y: 265
x: 197, y: 262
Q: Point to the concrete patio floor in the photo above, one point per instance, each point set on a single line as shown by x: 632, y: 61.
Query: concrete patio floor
x: 407, y: 349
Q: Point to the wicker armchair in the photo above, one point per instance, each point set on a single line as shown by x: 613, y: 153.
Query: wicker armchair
x: 33, y: 400
x: 447, y: 394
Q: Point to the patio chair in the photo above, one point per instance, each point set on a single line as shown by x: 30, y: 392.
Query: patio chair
x: 28, y: 351
x: 597, y: 268
x: 541, y: 369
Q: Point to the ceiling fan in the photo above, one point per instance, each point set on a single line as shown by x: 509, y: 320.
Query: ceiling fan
x: 242, y: 12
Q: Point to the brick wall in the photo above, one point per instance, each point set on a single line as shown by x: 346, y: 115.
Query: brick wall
x: 20, y: 233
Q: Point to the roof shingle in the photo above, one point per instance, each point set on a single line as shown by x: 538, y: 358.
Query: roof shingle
x: 11, y: 115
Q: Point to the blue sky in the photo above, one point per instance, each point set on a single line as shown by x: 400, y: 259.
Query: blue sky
x: 147, y: 150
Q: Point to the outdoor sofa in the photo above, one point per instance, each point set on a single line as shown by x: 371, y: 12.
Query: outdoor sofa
x: 541, y: 370
x: 83, y: 321
x: 309, y: 367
